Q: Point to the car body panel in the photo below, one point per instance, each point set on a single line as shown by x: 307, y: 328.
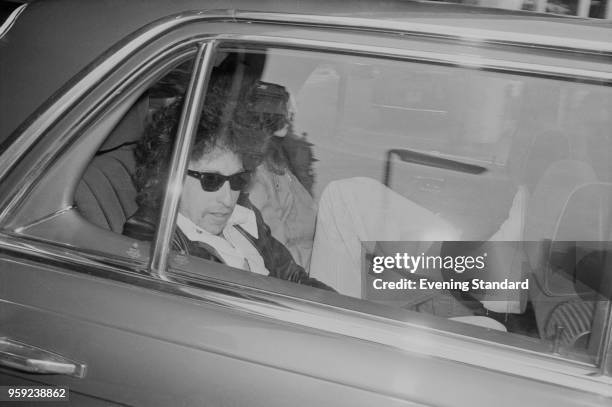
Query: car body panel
x: 134, y: 340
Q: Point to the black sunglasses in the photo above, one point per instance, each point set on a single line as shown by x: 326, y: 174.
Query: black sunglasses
x: 212, y: 181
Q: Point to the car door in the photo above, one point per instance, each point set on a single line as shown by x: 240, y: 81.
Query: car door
x: 133, y: 323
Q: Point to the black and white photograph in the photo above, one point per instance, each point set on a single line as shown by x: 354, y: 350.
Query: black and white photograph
x: 298, y: 203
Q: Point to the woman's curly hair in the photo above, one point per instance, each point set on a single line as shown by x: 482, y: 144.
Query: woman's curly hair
x: 227, y: 122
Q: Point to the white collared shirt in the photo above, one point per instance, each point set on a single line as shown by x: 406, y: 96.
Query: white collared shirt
x: 232, y: 246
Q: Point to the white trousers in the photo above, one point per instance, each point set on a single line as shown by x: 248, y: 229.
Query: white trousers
x: 356, y: 210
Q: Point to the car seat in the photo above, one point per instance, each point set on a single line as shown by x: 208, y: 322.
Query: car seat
x: 106, y: 194
x: 546, y: 148
x: 572, y: 223
x: 577, y: 280
x: 548, y: 201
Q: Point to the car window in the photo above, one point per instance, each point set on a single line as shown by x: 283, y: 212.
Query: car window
x: 402, y: 183
x: 393, y: 182
x: 106, y: 194
x: 90, y: 192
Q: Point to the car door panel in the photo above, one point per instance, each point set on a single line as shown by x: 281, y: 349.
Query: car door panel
x: 143, y: 346
x: 133, y: 340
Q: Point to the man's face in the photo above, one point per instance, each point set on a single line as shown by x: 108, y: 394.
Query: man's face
x: 211, y: 210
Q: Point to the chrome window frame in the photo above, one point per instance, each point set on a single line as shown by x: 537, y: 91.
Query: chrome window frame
x: 464, y: 35
x: 188, y: 124
x: 370, y: 327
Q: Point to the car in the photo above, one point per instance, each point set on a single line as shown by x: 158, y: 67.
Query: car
x: 407, y: 132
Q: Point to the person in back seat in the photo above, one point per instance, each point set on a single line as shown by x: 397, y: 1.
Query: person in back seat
x: 282, y: 183
x: 216, y: 220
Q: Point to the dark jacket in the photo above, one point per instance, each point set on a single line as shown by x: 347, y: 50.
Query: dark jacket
x: 276, y: 257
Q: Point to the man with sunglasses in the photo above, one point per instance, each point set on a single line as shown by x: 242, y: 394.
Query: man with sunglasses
x: 209, y: 212
x: 216, y: 220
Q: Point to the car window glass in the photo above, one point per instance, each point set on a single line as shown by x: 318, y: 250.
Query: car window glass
x: 107, y: 192
x: 99, y: 178
x: 349, y: 172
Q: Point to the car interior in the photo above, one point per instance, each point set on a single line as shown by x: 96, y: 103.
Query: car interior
x: 568, y: 199
x: 106, y: 194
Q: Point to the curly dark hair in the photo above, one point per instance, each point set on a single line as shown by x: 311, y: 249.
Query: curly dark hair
x: 227, y: 121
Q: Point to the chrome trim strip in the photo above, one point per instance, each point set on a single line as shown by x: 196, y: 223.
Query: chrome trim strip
x: 44, y: 218
x: 416, y: 337
x: 471, y: 35
x: 52, y: 252
x: 463, y: 61
x: 188, y: 125
x: 10, y: 21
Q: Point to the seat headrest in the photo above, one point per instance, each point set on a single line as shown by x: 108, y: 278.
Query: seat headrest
x: 580, y: 244
x: 546, y: 149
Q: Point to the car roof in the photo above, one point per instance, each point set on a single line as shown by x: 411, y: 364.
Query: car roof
x: 52, y: 40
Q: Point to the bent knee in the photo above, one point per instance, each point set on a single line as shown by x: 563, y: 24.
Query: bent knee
x: 351, y: 187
